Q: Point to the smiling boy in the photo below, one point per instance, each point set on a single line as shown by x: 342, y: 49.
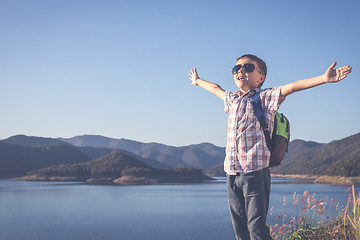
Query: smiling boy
x: 247, y: 156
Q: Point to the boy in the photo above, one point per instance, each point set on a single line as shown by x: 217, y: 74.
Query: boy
x: 247, y: 156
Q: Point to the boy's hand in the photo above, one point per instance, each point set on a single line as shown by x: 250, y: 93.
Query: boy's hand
x: 330, y: 76
x: 193, y: 77
x: 209, y: 86
x: 335, y: 75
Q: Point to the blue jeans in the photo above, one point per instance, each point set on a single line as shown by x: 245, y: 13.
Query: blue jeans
x: 248, y: 196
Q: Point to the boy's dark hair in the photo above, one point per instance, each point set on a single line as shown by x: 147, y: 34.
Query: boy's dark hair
x: 261, y: 64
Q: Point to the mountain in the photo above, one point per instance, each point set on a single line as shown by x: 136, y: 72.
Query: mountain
x: 349, y: 167
x: 110, y: 165
x: 324, y: 159
x: 30, y: 141
x: 16, y: 160
x: 296, y: 147
x: 115, y: 167
x: 202, y: 155
x: 105, y: 142
x: 157, y: 155
x: 92, y: 152
x: 216, y: 171
x: 341, y: 157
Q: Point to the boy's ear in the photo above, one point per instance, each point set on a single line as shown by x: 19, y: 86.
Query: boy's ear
x: 262, y: 79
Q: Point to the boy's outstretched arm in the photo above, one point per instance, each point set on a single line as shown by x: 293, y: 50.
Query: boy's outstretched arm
x: 211, y: 87
x: 330, y: 76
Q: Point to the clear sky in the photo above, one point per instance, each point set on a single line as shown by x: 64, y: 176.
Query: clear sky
x: 119, y: 68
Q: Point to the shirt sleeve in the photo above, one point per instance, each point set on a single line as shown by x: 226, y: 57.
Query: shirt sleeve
x: 228, y: 100
x: 272, y: 98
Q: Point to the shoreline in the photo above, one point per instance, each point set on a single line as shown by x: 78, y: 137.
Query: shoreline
x: 296, y: 176
x: 124, y: 180
x: 132, y: 180
x: 318, y: 179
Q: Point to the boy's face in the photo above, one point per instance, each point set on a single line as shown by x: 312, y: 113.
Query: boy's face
x: 246, y: 81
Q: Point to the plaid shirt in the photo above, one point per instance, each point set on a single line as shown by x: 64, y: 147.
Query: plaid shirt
x: 246, y: 149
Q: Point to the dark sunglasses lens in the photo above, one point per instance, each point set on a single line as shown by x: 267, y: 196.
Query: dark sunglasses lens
x: 236, y: 69
x: 249, y: 67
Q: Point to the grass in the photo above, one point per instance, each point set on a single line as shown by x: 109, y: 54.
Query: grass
x: 338, y: 180
x: 307, y: 224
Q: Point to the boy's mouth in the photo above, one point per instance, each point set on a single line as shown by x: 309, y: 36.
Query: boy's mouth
x: 241, y: 79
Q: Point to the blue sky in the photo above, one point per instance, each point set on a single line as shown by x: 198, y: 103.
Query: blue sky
x: 120, y: 68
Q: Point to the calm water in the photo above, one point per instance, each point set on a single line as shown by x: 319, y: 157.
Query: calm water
x: 50, y: 210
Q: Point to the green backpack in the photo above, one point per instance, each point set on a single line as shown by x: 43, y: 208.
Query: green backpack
x: 279, y: 141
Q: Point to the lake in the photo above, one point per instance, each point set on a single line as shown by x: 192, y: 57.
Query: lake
x: 54, y: 210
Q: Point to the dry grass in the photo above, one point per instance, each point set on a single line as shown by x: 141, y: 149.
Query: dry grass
x: 345, y: 226
x: 338, y: 180
x: 310, y: 177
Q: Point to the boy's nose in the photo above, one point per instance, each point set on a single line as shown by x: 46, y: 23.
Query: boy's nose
x: 241, y: 72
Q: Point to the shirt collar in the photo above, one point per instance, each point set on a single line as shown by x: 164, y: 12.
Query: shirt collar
x: 252, y: 91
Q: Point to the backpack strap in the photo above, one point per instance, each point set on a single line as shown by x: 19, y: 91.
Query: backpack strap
x: 259, y: 113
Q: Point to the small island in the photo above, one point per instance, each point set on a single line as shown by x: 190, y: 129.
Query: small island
x: 115, y: 168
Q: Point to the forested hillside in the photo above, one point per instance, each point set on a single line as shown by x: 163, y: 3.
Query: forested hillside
x: 116, y: 168
x: 341, y: 157
x: 337, y: 158
x: 16, y: 160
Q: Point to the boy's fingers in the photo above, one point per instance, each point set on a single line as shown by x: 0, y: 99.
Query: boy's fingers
x: 346, y: 72
x: 345, y: 69
x: 348, y: 69
x: 332, y: 65
x: 342, y: 77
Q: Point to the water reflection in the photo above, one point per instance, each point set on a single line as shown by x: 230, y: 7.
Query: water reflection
x: 53, y: 210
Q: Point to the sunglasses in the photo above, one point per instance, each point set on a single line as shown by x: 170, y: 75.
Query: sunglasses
x: 248, y: 68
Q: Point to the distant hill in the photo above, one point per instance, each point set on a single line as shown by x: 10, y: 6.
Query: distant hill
x: 105, y: 142
x: 295, y: 147
x: 118, y: 168
x: 30, y: 141
x: 203, y: 155
x: 157, y: 155
x: 216, y: 171
x: 110, y: 165
x: 324, y: 158
x: 349, y: 168
x: 92, y: 152
x: 16, y: 160
x: 341, y: 157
